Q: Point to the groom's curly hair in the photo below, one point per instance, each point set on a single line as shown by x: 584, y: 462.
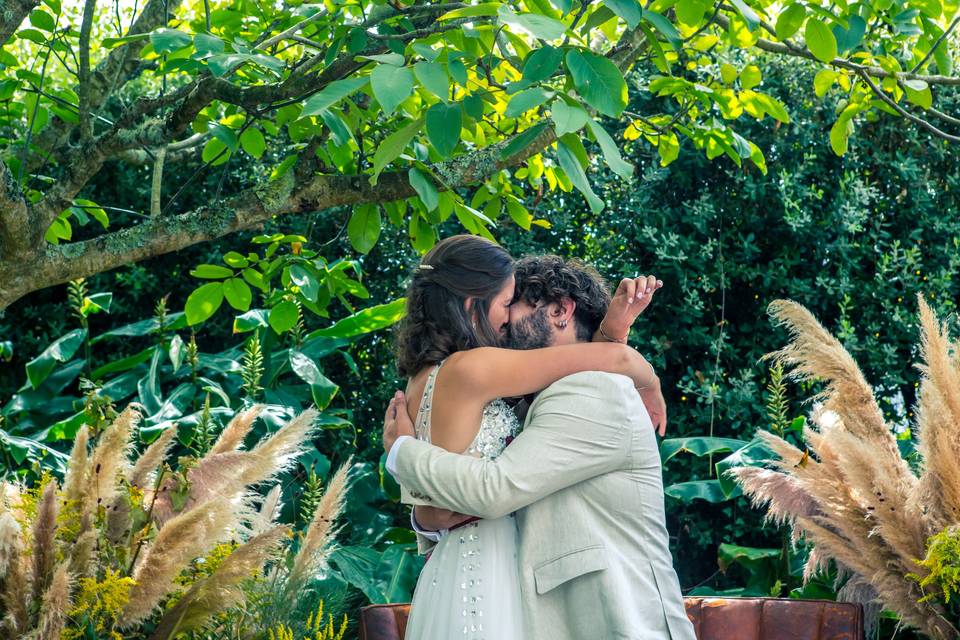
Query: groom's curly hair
x: 550, y: 279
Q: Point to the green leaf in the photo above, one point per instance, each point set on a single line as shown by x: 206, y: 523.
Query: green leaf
x: 424, y: 188
x: 522, y: 141
x: 753, y: 454
x: 364, y: 227
x: 252, y: 142
x: 790, y: 20
x: 840, y: 133
x: 253, y: 319
x: 283, y: 316
x: 571, y: 166
x: 96, y: 303
x: 60, y: 350
x: 542, y: 63
x: 750, y: 77
x: 306, y: 281
x: 629, y: 10
x: 567, y: 118
x: 392, y: 147
x: 206, y: 44
x: 236, y: 260
x: 433, y: 77
x: 824, y: 80
x: 611, y: 154
x: 665, y: 27
x: 426, y: 51
x: 473, y: 106
x: 599, y: 81
x: 168, y: 40
x: 753, y: 20
x: 697, y: 445
x: 332, y: 94
x: 691, y: 12
x: 473, y: 11
x: 322, y: 389
x: 444, y: 123
x: 42, y: 20
x: 687, y: 492
x: 203, y: 302
x: 820, y: 40
x: 851, y: 37
x: 215, y: 152
x: 365, y: 321
x: 537, y: 25
x: 112, y: 43
x: 525, y: 100
x: 918, y: 92
x: 391, y: 86
x: 237, y: 293
x: 211, y: 272
x: 394, y: 59
x: 668, y: 148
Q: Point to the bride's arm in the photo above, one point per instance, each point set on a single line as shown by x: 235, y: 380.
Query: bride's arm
x: 487, y: 373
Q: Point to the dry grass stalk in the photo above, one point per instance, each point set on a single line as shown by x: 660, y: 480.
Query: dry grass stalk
x: 151, y: 459
x: 185, y: 537
x: 56, y: 603
x: 9, y: 541
x: 321, y: 530
x: 233, y: 435
x: 230, y: 472
x: 110, y: 458
x: 44, y: 532
x: 16, y: 584
x: 81, y: 552
x: 221, y: 590
x: 852, y: 495
x: 78, y: 468
x: 269, y: 509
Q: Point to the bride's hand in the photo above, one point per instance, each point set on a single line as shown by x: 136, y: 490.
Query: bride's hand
x: 632, y: 296
x: 396, y: 421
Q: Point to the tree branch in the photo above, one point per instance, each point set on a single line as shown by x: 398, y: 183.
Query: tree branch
x: 83, y: 76
x: 16, y: 232
x: 14, y: 11
x: 842, y: 63
x: 880, y: 93
x: 245, y: 210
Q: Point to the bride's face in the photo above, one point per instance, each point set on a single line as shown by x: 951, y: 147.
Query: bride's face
x: 499, y: 314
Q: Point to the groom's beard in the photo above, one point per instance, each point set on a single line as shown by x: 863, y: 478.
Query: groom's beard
x: 532, y: 332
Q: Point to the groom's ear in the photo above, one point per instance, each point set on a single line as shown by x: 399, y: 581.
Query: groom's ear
x: 563, y: 310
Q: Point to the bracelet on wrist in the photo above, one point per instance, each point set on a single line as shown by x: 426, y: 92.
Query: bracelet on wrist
x: 604, y: 335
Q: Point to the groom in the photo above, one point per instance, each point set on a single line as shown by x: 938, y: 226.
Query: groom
x: 583, y: 476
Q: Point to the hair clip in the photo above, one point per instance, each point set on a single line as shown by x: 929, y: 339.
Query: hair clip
x: 425, y: 267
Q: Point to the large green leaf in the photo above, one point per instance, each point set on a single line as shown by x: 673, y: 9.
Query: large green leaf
x: 707, y: 490
x: 425, y: 188
x: 522, y: 141
x: 790, y: 20
x: 753, y: 454
x: 567, y: 118
x: 169, y: 40
x: 433, y: 76
x: 393, y: 146
x: 60, y: 350
x: 820, y: 40
x: 599, y: 81
x: 283, y: 316
x: 364, y: 227
x: 571, y: 166
x: 365, y: 321
x: 522, y: 102
x: 331, y: 94
x: 391, y: 86
x: 444, y: 122
x: 611, y: 153
x: 321, y: 388
x: 203, y: 302
x: 542, y: 63
x: 665, y: 27
x: 535, y: 24
x: 238, y: 294
x: 629, y: 10
x: 698, y: 446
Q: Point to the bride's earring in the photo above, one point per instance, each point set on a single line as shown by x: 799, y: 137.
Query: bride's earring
x: 562, y: 324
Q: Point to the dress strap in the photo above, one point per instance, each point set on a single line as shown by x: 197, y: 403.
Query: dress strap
x: 422, y: 425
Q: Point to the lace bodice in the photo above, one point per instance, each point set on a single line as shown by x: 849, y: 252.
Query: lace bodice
x: 498, y: 424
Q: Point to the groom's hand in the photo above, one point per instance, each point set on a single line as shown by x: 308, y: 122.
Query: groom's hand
x: 632, y: 297
x: 396, y: 422
x: 656, y: 406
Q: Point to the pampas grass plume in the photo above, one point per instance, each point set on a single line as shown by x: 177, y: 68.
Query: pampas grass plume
x: 56, y: 603
x: 44, y: 531
x: 236, y: 431
x: 321, y: 530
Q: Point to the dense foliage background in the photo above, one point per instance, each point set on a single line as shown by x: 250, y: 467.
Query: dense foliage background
x: 854, y: 238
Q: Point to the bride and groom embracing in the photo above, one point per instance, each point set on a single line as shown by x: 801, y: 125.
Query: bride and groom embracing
x: 561, y: 534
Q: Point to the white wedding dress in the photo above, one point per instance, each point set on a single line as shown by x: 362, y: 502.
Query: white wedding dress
x: 470, y: 586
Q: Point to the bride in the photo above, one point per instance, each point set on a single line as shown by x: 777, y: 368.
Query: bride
x: 458, y: 305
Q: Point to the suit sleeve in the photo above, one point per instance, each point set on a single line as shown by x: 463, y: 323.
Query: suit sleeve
x: 579, y: 428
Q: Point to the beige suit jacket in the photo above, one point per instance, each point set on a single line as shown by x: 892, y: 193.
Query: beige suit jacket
x: 584, y: 478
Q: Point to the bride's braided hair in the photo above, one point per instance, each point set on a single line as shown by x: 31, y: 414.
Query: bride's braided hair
x: 437, y: 323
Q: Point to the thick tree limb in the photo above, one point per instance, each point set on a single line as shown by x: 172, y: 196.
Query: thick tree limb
x: 16, y: 230
x: 14, y: 11
x: 245, y: 210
